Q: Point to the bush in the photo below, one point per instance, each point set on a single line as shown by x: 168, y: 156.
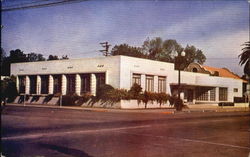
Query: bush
x: 162, y: 98
x: 70, y: 99
x: 83, y: 99
x: 147, y: 97
x: 135, y: 91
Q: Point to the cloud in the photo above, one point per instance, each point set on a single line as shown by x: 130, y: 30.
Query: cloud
x: 226, y: 45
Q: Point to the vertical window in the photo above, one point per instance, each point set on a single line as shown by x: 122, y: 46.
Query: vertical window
x: 202, y: 93
x: 162, y: 84
x: 136, y: 79
x: 85, y: 83
x: 149, y: 83
x: 22, y: 82
x: 33, y: 84
x: 57, y: 83
x: 44, y: 84
x: 71, y: 83
x: 100, y: 79
x: 222, y: 94
x: 212, y: 94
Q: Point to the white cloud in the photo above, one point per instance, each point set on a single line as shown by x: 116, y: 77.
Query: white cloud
x: 223, y: 45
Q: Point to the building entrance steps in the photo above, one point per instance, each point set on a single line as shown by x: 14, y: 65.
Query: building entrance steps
x: 53, y: 101
x: 39, y: 101
x: 16, y: 101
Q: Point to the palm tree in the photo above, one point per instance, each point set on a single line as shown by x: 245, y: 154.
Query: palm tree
x: 245, y: 58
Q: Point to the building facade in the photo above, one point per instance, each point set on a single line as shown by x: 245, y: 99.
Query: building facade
x: 85, y: 75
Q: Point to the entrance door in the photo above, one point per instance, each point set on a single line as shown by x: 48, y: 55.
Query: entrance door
x: 190, y: 95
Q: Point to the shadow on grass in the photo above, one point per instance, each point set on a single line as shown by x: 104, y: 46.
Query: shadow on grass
x: 65, y: 150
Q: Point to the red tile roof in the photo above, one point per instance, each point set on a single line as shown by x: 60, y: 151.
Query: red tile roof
x: 223, y: 72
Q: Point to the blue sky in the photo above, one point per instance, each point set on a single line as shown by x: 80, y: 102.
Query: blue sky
x: 216, y: 27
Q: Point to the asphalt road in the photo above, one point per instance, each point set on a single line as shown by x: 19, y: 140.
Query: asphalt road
x: 40, y: 132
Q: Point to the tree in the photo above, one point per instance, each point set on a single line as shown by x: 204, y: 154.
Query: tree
x: 33, y: 57
x: 51, y: 57
x: 157, y: 49
x: 194, y: 55
x: 8, y: 88
x: 125, y: 49
x: 245, y: 58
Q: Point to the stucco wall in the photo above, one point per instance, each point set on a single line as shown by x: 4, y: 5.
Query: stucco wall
x: 130, y: 65
x: 110, y: 65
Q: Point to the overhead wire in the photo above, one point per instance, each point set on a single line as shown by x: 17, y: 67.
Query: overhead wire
x: 63, y: 2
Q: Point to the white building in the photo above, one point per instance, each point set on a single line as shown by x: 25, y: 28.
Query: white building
x: 85, y: 75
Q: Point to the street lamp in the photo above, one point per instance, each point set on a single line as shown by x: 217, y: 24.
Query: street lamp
x: 179, y: 65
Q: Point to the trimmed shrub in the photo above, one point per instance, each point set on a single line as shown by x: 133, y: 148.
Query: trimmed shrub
x: 135, y: 91
x: 162, y: 98
x: 69, y: 100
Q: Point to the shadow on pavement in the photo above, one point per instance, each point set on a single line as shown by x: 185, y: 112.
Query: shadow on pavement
x: 65, y: 150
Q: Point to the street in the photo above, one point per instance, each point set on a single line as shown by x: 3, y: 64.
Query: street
x: 50, y: 132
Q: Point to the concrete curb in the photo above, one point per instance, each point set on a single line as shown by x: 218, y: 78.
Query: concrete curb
x: 162, y: 111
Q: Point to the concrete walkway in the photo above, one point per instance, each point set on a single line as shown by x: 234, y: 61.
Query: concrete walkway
x: 196, y: 108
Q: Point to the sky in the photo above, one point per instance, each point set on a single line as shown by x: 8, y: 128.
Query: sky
x: 218, y: 28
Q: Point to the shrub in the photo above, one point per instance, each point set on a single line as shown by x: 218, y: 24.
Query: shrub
x: 146, y: 97
x: 162, y: 98
x: 70, y: 99
x: 83, y: 99
x: 135, y: 91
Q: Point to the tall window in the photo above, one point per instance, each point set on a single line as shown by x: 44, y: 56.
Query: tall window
x: 162, y: 84
x: 100, y: 79
x: 149, y: 83
x: 136, y: 79
x: 57, y: 83
x: 71, y: 83
x: 44, y: 84
x: 22, y: 80
x: 202, y: 93
x: 85, y: 83
x: 212, y: 94
x: 222, y: 94
x: 33, y: 84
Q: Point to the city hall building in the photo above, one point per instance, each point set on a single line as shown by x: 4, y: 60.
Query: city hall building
x: 199, y: 84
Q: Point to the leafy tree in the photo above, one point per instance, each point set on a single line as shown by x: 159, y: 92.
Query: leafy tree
x: 51, y: 57
x: 8, y: 88
x: 158, y: 49
x: 33, y: 57
x: 194, y: 55
x: 245, y: 58
x: 125, y: 49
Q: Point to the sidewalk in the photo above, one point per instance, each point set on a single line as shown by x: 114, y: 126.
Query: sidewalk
x: 156, y: 110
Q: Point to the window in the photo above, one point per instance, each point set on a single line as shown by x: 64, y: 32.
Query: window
x: 136, y: 79
x: 222, y: 94
x: 149, y: 83
x: 161, y: 84
x: 44, y: 84
x: 85, y: 83
x: 33, y: 84
x: 195, y: 69
x: 22, y: 80
x: 71, y: 83
x: 57, y: 83
x: 100, y: 79
x: 235, y: 90
x: 212, y: 94
x: 202, y: 93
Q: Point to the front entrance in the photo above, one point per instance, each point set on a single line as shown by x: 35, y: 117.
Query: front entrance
x: 190, y: 95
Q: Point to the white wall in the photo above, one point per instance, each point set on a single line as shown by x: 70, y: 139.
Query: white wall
x: 130, y: 65
x: 110, y: 65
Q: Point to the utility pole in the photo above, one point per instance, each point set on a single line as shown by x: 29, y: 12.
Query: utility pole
x: 106, y: 46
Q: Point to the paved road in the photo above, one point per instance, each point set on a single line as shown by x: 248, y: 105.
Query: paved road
x: 37, y: 132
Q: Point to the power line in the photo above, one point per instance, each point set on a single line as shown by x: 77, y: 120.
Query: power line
x: 22, y: 3
x: 42, y: 5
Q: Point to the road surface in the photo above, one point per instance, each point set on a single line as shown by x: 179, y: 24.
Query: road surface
x: 47, y: 132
